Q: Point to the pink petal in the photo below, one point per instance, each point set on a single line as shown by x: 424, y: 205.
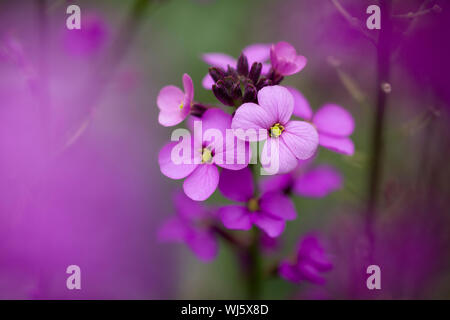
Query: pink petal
x: 318, y: 182
x: 289, y: 272
x: 278, y: 102
x: 301, y: 138
x: 173, y: 230
x: 235, y: 155
x: 258, y: 52
x: 277, y: 158
x: 220, y: 60
x: 189, y: 209
x: 285, y: 60
x: 340, y: 145
x: 237, y: 185
x: 201, y: 183
x: 203, y: 244
x: 278, y: 205
x: 207, y: 82
x: 277, y: 182
x: 169, y: 168
x: 188, y: 90
x: 170, y: 98
x: 235, y: 217
x: 285, y: 50
x: 302, y: 109
x: 251, y: 116
x: 272, y: 226
x: 334, y: 120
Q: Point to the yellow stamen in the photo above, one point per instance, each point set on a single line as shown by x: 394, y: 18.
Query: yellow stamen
x: 206, y: 155
x: 253, y: 205
x: 181, y: 106
x: 276, y: 130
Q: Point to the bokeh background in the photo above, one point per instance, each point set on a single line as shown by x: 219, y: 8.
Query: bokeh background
x: 79, y: 138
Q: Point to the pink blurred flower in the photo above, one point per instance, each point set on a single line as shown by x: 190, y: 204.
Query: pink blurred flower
x: 333, y: 122
x: 255, y: 53
x: 201, y: 173
x: 310, y: 262
x: 174, y: 104
x: 296, y: 139
x: 313, y: 182
x: 269, y: 212
x: 190, y: 226
x: 285, y: 60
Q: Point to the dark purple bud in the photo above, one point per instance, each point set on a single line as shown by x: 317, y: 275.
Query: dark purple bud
x: 216, y: 73
x: 232, y: 72
x: 255, y: 72
x: 221, y: 93
x: 197, y: 110
x: 236, y: 92
x: 229, y: 82
x: 262, y: 82
x: 250, y: 93
x: 242, y: 65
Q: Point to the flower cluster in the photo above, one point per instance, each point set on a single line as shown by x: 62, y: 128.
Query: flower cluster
x: 217, y: 151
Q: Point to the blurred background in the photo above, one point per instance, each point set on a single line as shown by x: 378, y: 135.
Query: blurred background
x: 79, y: 138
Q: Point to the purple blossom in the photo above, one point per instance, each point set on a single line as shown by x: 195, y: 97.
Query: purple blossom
x: 307, y: 181
x: 201, y: 173
x: 333, y: 122
x: 269, y: 211
x: 174, y: 104
x: 255, y: 53
x: 293, y: 140
x: 190, y: 226
x: 285, y: 60
x: 310, y: 262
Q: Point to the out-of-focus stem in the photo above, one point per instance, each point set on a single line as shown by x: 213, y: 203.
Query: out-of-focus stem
x: 383, y: 88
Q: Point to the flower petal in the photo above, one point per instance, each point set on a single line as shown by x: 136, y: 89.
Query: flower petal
x: 235, y: 217
x: 188, y: 90
x: 169, y: 168
x: 318, y: 182
x: 302, y: 109
x: 170, y: 98
x: 334, y: 120
x: 220, y: 60
x: 237, y: 185
x: 278, y: 205
x: 207, y: 82
x: 277, y: 182
x: 278, y: 102
x: 189, y: 209
x: 173, y: 230
x: 272, y: 226
x: 301, y: 138
x: 289, y: 272
x: 277, y: 158
x: 251, y: 116
x: 204, y: 245
x: 258, y: 52
x: 340, y: 145
x: 201, y: 183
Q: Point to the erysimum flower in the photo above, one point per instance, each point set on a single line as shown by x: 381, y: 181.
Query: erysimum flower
x: 334, y: 123
x: 285, y: 60
x: 311, y: 261
x: 269, y: 212
x: 307, y: 181
x: 206, y: 153
x: 174, y: 104
x: 190, y: 226
x: 254, y: 53
x: 287, y: 140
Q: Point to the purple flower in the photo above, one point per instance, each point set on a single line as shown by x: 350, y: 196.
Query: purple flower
x: 201, y: 172
x: 190, y: 226
x: 334, y: 123
x: 255, y: 53
x: 174, y: 104
x: 285, y: 59
x: 311, y: 261
x: 312, y: 182
x: 291, y: 140
x: 269, y: 212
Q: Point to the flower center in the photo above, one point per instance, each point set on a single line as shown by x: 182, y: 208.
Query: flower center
x: 276, y: 130
x: 253, y: 205
x: 181, y: 106
x: 206, y: 155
